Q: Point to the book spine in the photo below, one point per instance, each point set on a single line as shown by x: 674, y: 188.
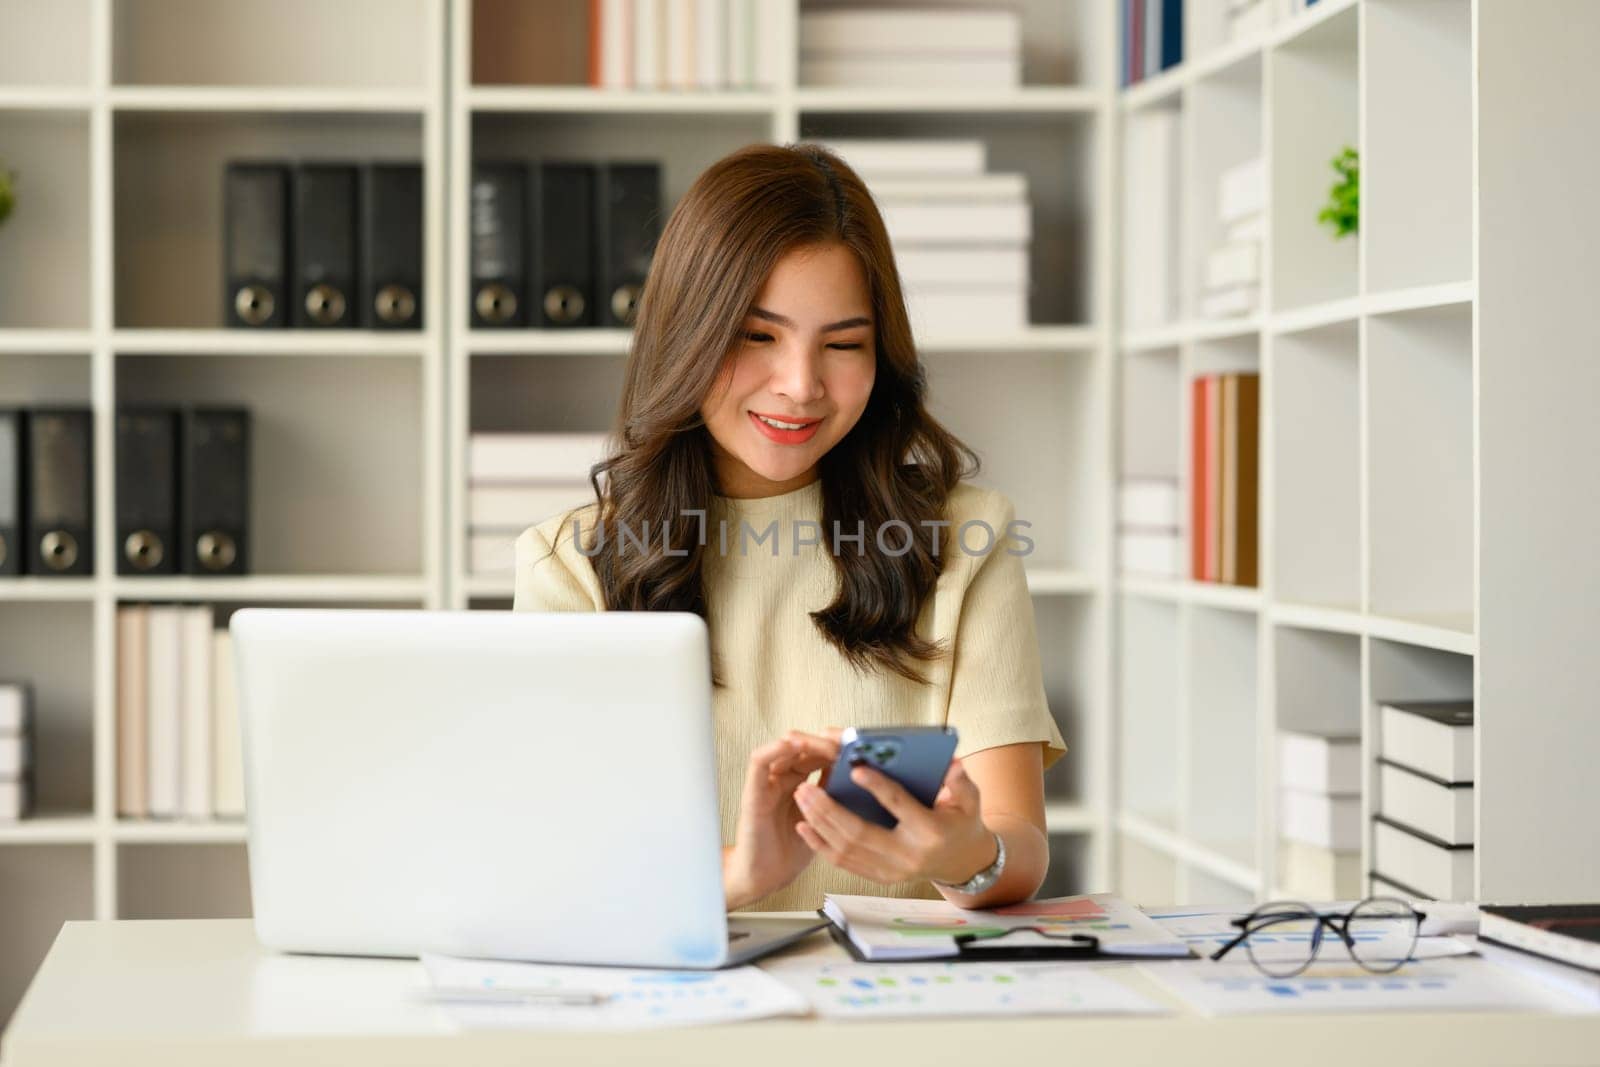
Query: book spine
x: 1197, y: 479
x: 196, y: 732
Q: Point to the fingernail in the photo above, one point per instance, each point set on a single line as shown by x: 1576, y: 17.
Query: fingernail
x: 859, y: 775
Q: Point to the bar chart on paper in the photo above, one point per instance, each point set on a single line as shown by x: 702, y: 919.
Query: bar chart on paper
x: 843, y: 989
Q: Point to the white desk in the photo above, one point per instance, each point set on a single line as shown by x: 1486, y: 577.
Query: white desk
x: 203, y: 992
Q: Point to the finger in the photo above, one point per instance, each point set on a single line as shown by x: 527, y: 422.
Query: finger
x: 891, y: 794
x: 813, y: 744
x: 959, y: 790
x: 842, y: 828
x: 863, y: 866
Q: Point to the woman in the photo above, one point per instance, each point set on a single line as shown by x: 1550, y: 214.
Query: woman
x: 778, y: 474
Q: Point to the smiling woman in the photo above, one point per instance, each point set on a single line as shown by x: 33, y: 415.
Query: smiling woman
x: 773, y: 397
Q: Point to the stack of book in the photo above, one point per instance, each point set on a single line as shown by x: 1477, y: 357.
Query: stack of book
x: 1152, y: 37
x: 1247, y: 18
x: 1224, y: 467
x: 1149, y: 528
x: 682, y: 44
x: 16, y: 751
x: 1232, y: 282
x: 1422, y: 833
x: 515, y: 480
x: 1150, y: 265
x: 178, y: 742
x: 960, y: 236
x: 974, y: 48
x: 1319, y: 847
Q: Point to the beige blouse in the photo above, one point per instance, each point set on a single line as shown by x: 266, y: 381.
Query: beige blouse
x: 782, y: 674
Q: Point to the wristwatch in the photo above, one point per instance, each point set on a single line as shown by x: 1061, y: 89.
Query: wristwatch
x: 984, y: 878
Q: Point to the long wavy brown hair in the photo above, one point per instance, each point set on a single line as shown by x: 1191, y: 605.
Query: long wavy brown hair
x: 742, y: 215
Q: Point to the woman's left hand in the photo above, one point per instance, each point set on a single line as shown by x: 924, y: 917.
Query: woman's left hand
x: 947, y: 842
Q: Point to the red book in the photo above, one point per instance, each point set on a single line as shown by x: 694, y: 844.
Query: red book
x: 1198, y: 490
x: 1137, y: 70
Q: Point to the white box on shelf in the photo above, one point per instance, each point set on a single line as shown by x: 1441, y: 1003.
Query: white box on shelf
x: 1234, y: 263
x: 164, y: 709
x: 1149, y: 263
x: 1250, y: 228
x: 15, y: 800
x: 1229, y: 303
x: 1320, y: 763
x: 519, y: 458
x: 1429, y: 804
x: 975, y: 222
x: 1319, y: 819
x: 909, y: 72
x: 1153, y: 553
x: 15, y: 757
x: 1150, y: 504
x: 1431, y: 736
x: 1314, y: 873
x: 925, y: 265
x: 227, y: 796
x: 936, y: 310
x: 516, y: 507
x: 873, y: 159
x: 874, y: 29
x: 1005, y: 188
x: 1427, y: 867
x: 13, y: 707
x: 711, y: 44
x: 1242, y: 190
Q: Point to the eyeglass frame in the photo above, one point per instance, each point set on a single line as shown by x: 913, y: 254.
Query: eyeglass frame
x: 1338, y: 922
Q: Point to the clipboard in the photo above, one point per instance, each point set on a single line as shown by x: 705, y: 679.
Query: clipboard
x: 1070, y: 947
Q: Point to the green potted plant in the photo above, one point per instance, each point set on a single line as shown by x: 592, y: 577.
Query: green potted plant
x: 1343, y: 211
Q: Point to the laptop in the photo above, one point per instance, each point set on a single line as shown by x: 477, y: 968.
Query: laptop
x: 502, y: 785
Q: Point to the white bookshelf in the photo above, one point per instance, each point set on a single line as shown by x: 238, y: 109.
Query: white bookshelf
x: 119, y: 114
x: 1378, y: 532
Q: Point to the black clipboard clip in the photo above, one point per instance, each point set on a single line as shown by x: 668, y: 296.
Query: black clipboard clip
x: 1063, y: 946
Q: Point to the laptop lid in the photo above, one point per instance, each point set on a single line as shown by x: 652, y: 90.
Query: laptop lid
x: 496, y: 784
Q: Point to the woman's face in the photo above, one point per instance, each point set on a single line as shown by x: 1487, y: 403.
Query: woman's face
x: 804, y: 359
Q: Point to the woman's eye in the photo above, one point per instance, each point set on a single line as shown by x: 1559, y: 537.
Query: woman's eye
x: 749, y: 336
x: 846, y: 347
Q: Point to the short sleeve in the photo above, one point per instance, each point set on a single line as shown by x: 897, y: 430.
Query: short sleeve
x: 551, y: 578
x: 996, y: 686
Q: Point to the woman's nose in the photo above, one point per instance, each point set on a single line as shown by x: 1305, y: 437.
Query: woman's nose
x: 797, y: 374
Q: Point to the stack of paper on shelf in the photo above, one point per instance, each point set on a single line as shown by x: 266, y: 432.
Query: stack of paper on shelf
x: 960, y: 236
x: 1422, y: 833
x: 1149, y: 527
x: 1224, y: 478
x: 1150, y: 243
x: 884, y: 47
x: 178, y: 743
x: 1247, y: 18
x: 666, y: 44
x: 1232, y: 282
x: 1319, y: 851
x: 515, y: 480
x: 1152, y: 37
x: 16, y: 750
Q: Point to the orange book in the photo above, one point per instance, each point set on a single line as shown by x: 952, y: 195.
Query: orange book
x: 1197, y: 480
x: 1213, y: 479
x: 1228, y: 464
x: 1247, y: 522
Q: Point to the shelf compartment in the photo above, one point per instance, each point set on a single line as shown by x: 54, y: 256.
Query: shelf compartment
x: 1056, y: 154
x: 1151, y: 407
x: 44, y: 245
x: 1070, y: 654
x: 1148, y: 724
x: 1420, y: 465
x: 169, y: 206
x: 1315, y: 470
x: 182, y: 881
x: 1416, y: 179
x: 1049, y: 474
x: 1220, y: 808
x: 45, y: 45
x: 1153, y: 180
x: 1224, y: 111
x: 1314, y: 116
x: 1208, y: 39
x: 336, y: 479
x: 1317, y: 681
x: 51, y: 646
x: 45, y: 886
x: 35, y: 379
x: 372, y: 44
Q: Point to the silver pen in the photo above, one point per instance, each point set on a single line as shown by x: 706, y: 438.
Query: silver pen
x: 506, y: 995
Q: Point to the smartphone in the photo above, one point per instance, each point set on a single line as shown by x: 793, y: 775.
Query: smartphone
x: 918, y: 757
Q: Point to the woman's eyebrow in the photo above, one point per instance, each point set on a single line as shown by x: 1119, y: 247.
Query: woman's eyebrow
x: 783, y: 320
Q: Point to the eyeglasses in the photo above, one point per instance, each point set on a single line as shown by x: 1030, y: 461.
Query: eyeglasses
x: 1283, y: 937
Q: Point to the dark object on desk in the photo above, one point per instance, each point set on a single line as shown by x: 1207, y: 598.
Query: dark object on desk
x: 629, y: 225
x: 147, y: 491
x: 215, y: 494
x: 561, y: 215
x: 256, y: 244
x: 12, y: 467
x: 497, y: 231
x: 1567, y: 933
x: 60, y: 498
x: 917, y: 757
x: 324, y: 246
x: 391, y: 269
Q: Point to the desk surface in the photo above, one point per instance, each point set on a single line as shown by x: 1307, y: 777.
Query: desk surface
x: 204, y: 992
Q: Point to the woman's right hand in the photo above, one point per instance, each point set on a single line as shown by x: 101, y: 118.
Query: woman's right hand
x: 767, y: 854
